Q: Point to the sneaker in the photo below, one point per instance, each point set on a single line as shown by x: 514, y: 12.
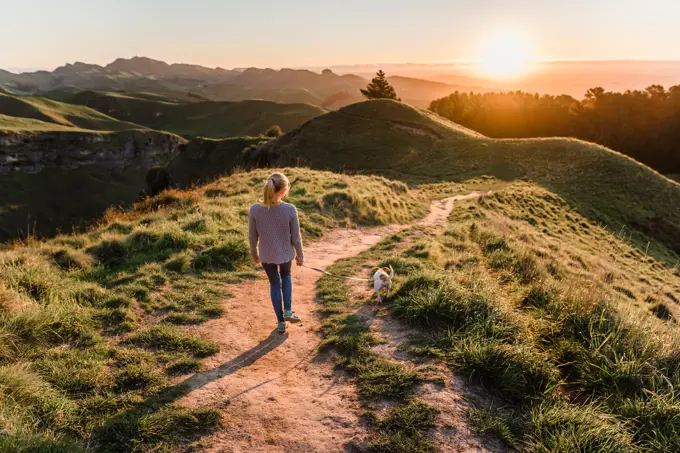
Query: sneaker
x: 282, y: 327
x: 292, y: 317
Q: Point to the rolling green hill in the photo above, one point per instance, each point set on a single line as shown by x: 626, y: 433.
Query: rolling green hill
x: 191, y: 119
x: 394, y: 139
x: 57, y: 113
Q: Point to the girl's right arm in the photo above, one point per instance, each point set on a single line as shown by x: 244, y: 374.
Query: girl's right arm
x: 252, y: 235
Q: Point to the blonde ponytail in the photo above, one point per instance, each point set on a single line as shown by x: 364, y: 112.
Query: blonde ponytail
x: 275, y: 184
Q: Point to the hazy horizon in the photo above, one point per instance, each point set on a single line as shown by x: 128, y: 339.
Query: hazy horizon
x: 432, y: 64
x: 302, y: 34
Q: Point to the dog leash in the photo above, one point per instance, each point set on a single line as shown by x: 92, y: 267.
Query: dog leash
x: 336, y: 276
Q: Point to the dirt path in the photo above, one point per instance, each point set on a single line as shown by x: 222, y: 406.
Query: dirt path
x: 276, y: 392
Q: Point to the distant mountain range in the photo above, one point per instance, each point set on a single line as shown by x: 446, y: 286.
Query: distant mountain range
x: 140, y: 74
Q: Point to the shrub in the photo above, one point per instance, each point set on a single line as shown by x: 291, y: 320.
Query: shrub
x: 274, y: 131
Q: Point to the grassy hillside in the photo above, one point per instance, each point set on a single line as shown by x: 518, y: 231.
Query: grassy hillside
x: 16, y: 124
x: 394, y: 139
x: 567, y: 333
x: 92, y: 325
x: 55, y: 115
x: 191, y: 119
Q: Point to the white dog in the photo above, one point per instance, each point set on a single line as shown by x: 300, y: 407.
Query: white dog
x: 382, y: 280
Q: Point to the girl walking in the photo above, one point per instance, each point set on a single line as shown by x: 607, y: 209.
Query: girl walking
x: 275, y: 226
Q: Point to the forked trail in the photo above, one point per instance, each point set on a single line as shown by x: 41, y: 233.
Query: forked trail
x: 276, y: 391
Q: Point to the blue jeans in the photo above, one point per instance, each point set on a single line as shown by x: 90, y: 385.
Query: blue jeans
x: 280, y: 283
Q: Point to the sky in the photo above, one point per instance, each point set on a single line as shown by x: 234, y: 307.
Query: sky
x: 295, y: 33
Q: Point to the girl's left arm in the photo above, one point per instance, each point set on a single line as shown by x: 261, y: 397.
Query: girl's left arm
x: 295, y: 237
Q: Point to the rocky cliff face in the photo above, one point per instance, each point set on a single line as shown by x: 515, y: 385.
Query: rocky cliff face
x: 32, y: 153
x: 60, y: 181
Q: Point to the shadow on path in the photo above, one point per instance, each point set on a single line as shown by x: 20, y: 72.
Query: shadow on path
x: 124, y: 428
x: 247, y: 358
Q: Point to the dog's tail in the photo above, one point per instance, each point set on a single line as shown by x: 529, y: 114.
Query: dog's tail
x: 391, y: 272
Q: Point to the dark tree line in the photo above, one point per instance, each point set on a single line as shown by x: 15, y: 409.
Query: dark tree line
x: 644, y: 125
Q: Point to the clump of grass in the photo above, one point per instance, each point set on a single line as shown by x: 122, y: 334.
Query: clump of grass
x: 69, y: 259
x: 572, y: 428
x: 435, y: 301
x: 138, y: 376
x: 180, y: 263
x: 540, y: 296
x: 185, y: 319
x: 656, y: 421
x: 184, y: 365
x: 39, y: 443
x: 110, y: 252
x: 403, y: 428
x: 26, y: 394
x: 200, y: 226
x: 116, y: 320
x: 211, y: 311
x: 37, y: 327
x: 169, y: 339
x: 518, y: 374
x: 139, y: 292
x: 117, y: 302
x: 402, y: 266
x: 232, y: 253
x: 146, y: 430
x: 503, y: 424
x: 75, y: 371
x: 168, y: 199
x: 379, y: 378
x: 662, y: 311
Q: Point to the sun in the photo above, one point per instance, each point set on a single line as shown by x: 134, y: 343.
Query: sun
x: 506, y: 54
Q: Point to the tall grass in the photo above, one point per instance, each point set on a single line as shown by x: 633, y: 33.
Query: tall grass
x: 538, y: 320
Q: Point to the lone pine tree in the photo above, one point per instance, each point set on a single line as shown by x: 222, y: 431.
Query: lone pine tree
x: 380, y: 88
